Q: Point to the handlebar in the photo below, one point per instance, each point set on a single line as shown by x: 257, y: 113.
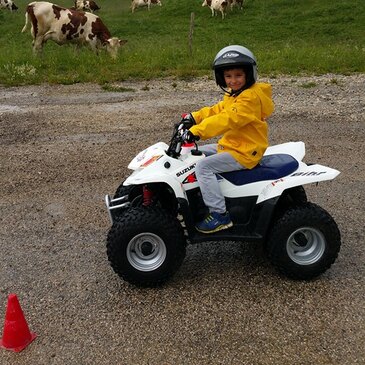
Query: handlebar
x: 177, y: 142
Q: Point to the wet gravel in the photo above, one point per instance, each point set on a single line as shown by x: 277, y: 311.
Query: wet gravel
x: 62, y: 148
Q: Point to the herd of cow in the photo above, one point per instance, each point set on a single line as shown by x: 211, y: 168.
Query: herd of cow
x: 82, y: 5
x: 79, y: 24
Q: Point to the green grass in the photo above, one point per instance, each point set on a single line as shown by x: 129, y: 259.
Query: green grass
x: 287, y: 36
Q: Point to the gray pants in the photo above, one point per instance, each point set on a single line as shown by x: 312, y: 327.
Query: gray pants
x: 206, y: 170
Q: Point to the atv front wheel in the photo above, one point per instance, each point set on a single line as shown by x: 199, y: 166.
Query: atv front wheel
x: 146, y: 246
x: 304, y: 242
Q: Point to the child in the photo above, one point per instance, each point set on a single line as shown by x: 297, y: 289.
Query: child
x: 240, y: 118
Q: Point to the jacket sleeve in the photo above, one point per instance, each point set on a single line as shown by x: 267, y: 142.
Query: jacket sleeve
x: 208, y: 111
x: 234, y: 116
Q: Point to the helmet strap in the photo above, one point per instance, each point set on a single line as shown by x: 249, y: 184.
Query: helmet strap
x: 234, y: 93
x: 226, y: 91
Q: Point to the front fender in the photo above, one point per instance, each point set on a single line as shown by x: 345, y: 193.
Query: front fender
x: 164, y: 169
x: 140, y: 178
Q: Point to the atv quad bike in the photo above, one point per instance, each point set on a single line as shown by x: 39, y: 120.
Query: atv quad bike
x: 154, y: 212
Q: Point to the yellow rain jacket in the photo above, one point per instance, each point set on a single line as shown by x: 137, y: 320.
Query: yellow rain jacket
x: 242, y: 122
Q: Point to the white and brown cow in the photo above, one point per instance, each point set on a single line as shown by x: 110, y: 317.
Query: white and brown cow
x: 61, y: 25
x: 217, y: 5
x: 140, y: 3
x: 86, y: 5
x: 8, y: 4
x: 233, y: 3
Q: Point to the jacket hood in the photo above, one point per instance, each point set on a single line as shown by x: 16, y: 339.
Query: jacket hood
x: 264, y: 92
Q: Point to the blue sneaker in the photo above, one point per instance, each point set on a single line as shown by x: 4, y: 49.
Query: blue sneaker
x: 214, y: 222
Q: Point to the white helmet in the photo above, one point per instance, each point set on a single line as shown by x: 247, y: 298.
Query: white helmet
x: 235, y: 57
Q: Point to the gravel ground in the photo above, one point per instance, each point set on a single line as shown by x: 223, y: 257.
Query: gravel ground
x: 64, y: 147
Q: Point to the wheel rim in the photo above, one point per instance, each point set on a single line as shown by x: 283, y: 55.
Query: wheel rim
x: 306, y: 245
x: 146, y: 252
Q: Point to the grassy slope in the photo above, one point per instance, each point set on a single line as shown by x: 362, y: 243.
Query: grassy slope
x: 287, y: 36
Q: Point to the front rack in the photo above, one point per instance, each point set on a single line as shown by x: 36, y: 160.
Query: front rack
x: 112, y: 204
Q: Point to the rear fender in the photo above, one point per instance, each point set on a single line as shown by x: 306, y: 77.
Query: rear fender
x: 306, y: 174
x: 295, y: 149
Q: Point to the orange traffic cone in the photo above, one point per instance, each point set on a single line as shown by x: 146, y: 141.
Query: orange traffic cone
x: 16, y: 334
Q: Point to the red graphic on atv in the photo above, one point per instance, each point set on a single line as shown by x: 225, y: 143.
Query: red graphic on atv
x: 190, y: 179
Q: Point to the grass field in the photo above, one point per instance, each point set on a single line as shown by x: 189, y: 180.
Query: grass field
x: 287, y: 37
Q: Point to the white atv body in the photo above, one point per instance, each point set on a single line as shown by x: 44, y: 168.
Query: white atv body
x: 155, y: 210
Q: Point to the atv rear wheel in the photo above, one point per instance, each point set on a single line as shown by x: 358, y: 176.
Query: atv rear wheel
x: 304, y: 242
x: 146, y: 246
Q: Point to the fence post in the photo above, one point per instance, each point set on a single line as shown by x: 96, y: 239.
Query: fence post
x: 192, y: 16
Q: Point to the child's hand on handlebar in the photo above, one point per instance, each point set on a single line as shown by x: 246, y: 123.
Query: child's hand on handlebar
x: 187, y: 120
x: 189, y: 137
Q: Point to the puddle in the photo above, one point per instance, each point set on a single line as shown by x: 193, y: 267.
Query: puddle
x: 9, y: 108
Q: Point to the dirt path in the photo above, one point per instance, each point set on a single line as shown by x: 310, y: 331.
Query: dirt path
x: 63, y: 147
